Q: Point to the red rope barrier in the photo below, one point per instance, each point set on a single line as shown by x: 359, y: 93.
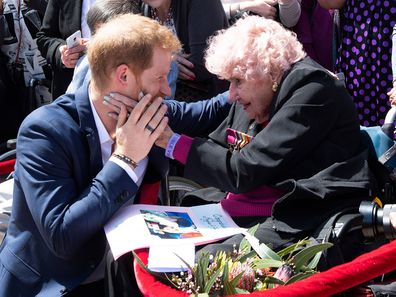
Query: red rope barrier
x: 332, y: 281
x: 7, y: 166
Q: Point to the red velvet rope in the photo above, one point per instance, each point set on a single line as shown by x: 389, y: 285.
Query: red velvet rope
x: 7, y: 166
x: 332, y: 281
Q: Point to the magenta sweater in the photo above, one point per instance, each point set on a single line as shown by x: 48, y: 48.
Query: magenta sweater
x: 254, y: 203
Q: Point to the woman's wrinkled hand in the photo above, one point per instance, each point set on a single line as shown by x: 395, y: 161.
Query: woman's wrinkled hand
x: 185, y: 66
x: 164, y: 138
x: 115, y: 100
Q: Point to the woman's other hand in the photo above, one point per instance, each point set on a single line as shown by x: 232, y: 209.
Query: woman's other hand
x: 164, y: 138
x: 185, y: 67
x: 115, y: 100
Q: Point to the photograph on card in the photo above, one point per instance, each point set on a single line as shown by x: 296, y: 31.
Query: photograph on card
x: 170, y: 224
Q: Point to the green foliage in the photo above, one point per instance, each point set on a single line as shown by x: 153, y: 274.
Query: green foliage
x: 254, y: 266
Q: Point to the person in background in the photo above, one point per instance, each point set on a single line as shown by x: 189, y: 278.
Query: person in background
x: 288, y: 154
x: 76, y: 166
x: 39, y: 5
x: 193, y: 21
x: 287, y: 12
x: 62, y: 19
x: 364, y: 54
x: 22, y: 66
x: 314, y: 30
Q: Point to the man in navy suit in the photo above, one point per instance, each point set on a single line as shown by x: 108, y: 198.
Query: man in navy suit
x: 76, y: 166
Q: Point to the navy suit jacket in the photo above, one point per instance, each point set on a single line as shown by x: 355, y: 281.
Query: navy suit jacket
x: 63, y: 195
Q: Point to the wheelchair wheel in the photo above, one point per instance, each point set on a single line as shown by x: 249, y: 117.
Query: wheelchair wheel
x: 178, y: 187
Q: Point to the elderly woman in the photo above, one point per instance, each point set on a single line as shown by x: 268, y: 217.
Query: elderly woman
x: 288, y: 153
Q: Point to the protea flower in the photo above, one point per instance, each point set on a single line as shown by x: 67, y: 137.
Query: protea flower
x: 284, y: 273
x: 248, y: 277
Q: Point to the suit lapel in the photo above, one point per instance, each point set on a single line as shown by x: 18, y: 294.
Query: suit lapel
x: 87, y: 124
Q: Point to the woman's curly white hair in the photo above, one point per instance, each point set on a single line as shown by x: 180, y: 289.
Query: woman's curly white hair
x: 253, y: 48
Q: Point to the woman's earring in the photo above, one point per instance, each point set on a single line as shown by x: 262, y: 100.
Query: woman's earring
x: 274, y: 86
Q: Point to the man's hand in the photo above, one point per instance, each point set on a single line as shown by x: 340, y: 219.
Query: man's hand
x: 136, y: 134
x: 70, y: 56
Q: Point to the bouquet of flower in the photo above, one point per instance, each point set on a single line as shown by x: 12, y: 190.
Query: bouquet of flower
x: 251, y: 267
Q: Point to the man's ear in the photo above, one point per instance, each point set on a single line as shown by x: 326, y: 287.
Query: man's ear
x: 123, y: 75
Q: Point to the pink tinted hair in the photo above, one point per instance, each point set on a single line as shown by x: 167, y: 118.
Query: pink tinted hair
x: 254, y: 48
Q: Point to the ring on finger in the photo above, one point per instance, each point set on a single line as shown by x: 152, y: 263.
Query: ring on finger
x: 148, y: 127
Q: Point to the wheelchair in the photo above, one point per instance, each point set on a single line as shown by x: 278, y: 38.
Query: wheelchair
x: 368, y: 224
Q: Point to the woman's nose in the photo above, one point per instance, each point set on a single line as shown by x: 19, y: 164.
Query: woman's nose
x: 233, y: 95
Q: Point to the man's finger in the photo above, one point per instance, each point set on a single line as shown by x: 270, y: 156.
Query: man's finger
x: 149, y: 113
x: 158, y: 116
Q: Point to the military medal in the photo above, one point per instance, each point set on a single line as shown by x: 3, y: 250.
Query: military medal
x: 237, y: 140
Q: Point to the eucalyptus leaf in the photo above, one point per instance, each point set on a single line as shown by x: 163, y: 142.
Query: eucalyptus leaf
x: 291, y: 248
x: 299, y: 276
x: 244, y: 257
x: 315, y: 260
x: 262, y: 250
x: 302, y: 257
x: 244, y: 245
x: 267, y: 263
